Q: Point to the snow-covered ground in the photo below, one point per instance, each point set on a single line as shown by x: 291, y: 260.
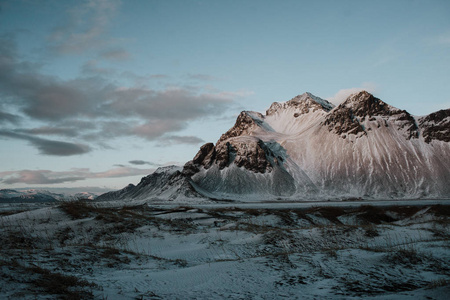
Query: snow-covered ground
x: 78, y: 250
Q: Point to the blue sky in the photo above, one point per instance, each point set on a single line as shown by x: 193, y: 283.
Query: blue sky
x: 100, y: 93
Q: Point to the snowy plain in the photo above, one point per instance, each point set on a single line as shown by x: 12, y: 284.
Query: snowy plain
x: 317, y: 250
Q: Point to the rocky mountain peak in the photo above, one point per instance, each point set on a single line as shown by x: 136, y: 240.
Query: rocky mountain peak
x: 355, y: 114
x: 365, y: 104
x: 311, y: 100
x: 246, y: 122
x: 303, y: 103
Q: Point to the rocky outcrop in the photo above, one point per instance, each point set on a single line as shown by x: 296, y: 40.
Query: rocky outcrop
x: 343, y: 121
x: 251, y: 154
x: 245, y: 124
x: 436, y: 126
x: 350, y: 116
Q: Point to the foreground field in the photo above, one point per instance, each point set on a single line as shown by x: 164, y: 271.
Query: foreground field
x: 81, y: 250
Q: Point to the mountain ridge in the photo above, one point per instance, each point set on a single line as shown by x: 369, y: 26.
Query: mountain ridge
x: 307, y: 148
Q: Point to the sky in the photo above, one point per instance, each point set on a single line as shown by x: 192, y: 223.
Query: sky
x: 97, y: 94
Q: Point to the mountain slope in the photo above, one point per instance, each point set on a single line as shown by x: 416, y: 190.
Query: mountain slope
x: 165, y: 183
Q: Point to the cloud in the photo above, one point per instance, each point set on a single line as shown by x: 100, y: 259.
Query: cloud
x: 158, y: 76
x: 141, y: 80
x: 36, y: 177
x: 49, y: 147
x: 8, y: 118
x: 88, y: 108
x: 121, y: 172
x: 343, y: 94
x: 142, y: 162
x: 175, y: 140
x: 58, y: 148
x: 85, y: 27
x: 51, y: 130
x: 51, y: 177
x: 154, y: 130
x: 173, y: 104
x: 40, y: 96
x: 201, y: 77
x: 116, y: 54
x: 91, y: 68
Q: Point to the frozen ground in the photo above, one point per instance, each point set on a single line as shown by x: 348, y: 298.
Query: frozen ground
x: 78, y: 250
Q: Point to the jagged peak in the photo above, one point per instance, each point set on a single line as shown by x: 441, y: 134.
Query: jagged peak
x: 246, y: 122
x: 364, y: 103
x: 308, y: 97
x: 349, y: 116
x: 361, y: 96
x: 304, y: 102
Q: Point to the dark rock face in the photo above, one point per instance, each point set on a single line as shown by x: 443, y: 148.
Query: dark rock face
x: 436, y: 126
x: 245, y: 124
x: 253, y: 155
x: 254, y: 158
x: 348, y: 117
x: 206, y: 155
x: 343, y: 121
x: 365, y: 104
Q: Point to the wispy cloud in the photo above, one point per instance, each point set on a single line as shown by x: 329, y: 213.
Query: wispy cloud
x: 51, y: 130
x: 201, y: 77
x: 175, y: 140
x: 35, y: 177
x: 49, y: 147
x: 6, y: 117
x: 85, y: 27
x: 115, y: 54
x: 142, y: 162
x: 51, y: 177
x: 92, y: 68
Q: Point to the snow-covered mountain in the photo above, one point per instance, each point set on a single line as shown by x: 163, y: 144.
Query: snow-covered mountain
x: 35, y: 195
x: 32, y: 195
x: 166, y: 183
x: 306, y: 148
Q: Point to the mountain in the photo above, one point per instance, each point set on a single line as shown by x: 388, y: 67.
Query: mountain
x: 27, y: 196
x: 37, y: 195
x: 166, y: 183
x: 306, y: 148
